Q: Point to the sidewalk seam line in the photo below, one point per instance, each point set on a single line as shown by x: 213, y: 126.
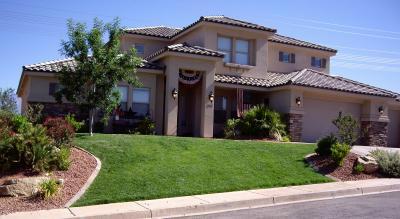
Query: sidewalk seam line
x: 151, y: 212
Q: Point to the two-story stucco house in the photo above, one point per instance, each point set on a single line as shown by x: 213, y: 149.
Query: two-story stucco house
x: 197, y: 77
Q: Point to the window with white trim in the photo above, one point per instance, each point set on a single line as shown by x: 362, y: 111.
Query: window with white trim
x: 141, y: 102
x: 242, y: 52
x: 287, y: 57
x: 123, y: 91
x: 225, y: 46
x: 139, y: 49
x: 318, y: 62
x: 54, y: 87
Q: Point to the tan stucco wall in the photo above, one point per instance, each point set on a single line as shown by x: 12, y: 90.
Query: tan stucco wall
x: 258, y: 49
x: 303, y: 58
x: 151, y: 44
x: 196, y: 37
x: 394, y: 128
x: 319, y: 113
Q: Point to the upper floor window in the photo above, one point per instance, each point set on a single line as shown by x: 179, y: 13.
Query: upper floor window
x: 123, y: 90
x: 225, y: 46
x: 287, y: 57
x: 139, y: 49
x: 141, y: 102
x: 318, y: 62
x: 54, y: 87
x: 242, y: 52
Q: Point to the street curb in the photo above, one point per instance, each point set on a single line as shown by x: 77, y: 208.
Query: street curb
x: 220, y: 202
x: 88, y: 182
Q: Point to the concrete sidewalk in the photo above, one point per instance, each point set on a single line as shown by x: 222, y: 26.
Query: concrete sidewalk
x: 208, y: 203
x: 364, y: 150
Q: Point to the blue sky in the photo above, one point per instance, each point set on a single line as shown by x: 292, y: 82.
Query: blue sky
x: 366, y: 33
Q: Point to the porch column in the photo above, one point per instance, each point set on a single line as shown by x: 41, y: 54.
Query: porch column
x: 374, y: 124
x: 207, y: 107
x: 171, y: 104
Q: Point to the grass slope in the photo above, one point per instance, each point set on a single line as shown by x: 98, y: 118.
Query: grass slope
x: 147, y: 167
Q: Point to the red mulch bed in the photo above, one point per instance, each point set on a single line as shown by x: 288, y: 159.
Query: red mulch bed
x: 82, y: 166
x: 326, y: 165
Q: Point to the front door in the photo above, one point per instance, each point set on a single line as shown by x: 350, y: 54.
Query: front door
x: 186, y: 103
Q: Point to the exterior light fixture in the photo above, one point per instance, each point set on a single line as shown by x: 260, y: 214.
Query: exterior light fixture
x: 174, y: 93
x: 298, y: 101
x: 211, y: 96
x: 380, y: 110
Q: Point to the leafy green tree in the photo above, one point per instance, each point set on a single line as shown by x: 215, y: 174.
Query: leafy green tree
x: 8, y: 102
x: 100, y: 65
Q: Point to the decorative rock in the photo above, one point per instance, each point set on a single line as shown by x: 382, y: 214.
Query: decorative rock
x: 60, y: 182
x: 22, y: 187
x: 369, y: 163
x: 276, y: 136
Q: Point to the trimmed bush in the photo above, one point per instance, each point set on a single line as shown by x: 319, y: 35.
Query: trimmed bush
x: 19, y: 122
x: 145, y: 127
x: 49, y: 188
x: 259, y: 122
x: 339, y: 152
x: 389, y: 162
x: 59, y: 130
x: 70, y: 118
x: 324, y: 145
x: 359, y: 168
x: 231, y: 128
x: 62, y: 160
x: 347, y: 129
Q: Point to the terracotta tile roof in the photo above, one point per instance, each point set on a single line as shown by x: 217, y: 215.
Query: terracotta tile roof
x: 307, y: 78
x: 56, y: 65
x: 169, y: 32
x: 186, y: 48
x: 159, y: 31
x: 234, y: 22
x: 295, y: 42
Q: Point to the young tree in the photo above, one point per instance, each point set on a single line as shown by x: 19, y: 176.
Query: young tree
x: 91, y: 82
x: 8, y: 100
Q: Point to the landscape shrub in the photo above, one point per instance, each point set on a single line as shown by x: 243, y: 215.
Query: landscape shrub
x: 19, y: 122
x: 325, y: 144
x: 59, y: 130
x: 49, y: 188
x: 231, y: 128
x: 145, y: 127
x: 70, y: 118
x: 34, y: 148
x: 62, y: 160
x: 339, y: 152
x: 348, y: 129
x: 34, y: 113
x: 389, y: 162
x: 359, y: 168
x: 259, y: 121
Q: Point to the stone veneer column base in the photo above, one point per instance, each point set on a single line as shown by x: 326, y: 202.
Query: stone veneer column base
x: 294, y: 127
x: 61, y: 109
x: 374, y: 133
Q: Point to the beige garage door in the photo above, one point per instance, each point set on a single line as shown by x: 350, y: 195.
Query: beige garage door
x: 394, y: 128
x: 318, y: 116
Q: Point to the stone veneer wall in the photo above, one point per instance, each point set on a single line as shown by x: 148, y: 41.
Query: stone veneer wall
x: 374, y: 133
x: 61, y: 109
x: 294, y: 127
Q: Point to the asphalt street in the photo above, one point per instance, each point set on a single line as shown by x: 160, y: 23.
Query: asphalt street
x: 384, y: 205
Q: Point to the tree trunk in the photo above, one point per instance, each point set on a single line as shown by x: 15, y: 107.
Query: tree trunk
x: 91, y: 121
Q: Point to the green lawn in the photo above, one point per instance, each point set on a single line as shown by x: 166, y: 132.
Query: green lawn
x: 147, y: 167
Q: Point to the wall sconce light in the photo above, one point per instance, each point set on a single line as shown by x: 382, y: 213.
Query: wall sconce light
x: 174, y: 93
x: 211, y: 96
x: 298, y: 101
x: 380, y: 110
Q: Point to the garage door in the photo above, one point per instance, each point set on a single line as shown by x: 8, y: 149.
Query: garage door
x: 394, y: 128
x: 318, y: 116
